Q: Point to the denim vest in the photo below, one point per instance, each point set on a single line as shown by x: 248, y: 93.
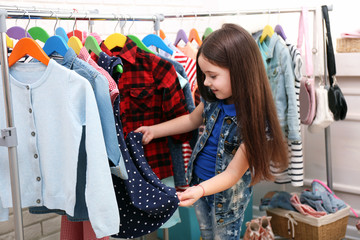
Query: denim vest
x: 231, y: 203
x: 277, y: 60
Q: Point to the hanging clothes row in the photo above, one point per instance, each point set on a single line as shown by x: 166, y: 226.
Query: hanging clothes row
x: 148, y: 82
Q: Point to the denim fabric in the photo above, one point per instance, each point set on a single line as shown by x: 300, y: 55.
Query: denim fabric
x: 280, y: 199
x: 101, y: 89
x: 278, y: 61
x: 210, y: 230
x: 321, y: 198
x: 231, y: 203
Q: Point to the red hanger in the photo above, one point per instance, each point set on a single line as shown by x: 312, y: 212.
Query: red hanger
x: 28, y: 46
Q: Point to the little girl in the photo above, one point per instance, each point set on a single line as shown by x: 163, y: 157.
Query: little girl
x: 242, y: 136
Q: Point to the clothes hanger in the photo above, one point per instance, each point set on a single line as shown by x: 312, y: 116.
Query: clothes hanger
x: 60, y: 31
x: 17, y: 32
x: 28, y: 46
x: 194, y: 35
x: 75, y: 43
x: 55, y: 44
x: 39, y: 33
x: 268, y: 31
x: 9, y: 42
x: 207, y: 32
x: 155, y: 40
x: 92, y: 45
x: 140, y: 44
x: 280, y: 31
x: 162, y: 34
x: 75, y: 32
x: 116, y: 40
x: 181, y: 35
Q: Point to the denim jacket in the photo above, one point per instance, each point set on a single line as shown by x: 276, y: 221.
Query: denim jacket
x: 231, y: 203
x: 278, y: 62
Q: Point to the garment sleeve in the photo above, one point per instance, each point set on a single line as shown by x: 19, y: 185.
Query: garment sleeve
x: 174, y: 103
x: 99, y: 192
x: 289, y: 78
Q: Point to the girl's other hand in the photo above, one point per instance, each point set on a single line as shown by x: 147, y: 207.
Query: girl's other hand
x: 148, y: 135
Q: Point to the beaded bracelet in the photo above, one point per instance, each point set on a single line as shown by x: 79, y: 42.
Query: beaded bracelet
x: 202, y: 189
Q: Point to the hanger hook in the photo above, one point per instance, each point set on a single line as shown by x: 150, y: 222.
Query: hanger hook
x: 117, y: 22
x: 123, y: 26
x: 57, y: 20
x: 278, y: 15
x: 268, y: 16
x: 74, y: 22
x: 209, y: 18
x: 90, y: 25
x: 27, y: 25
x: 133, y: 20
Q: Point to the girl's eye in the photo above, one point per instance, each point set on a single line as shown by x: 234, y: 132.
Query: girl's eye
x: 213, y: 77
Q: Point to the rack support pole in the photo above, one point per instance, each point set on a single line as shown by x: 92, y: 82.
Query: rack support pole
x: 9, y: 136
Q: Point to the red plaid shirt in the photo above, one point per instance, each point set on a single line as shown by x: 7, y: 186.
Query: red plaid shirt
x: 150, y: 93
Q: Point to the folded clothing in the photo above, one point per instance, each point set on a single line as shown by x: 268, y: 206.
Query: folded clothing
x: 304, y: 208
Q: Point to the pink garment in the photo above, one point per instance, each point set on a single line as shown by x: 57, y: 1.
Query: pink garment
x: 113, y: 88
x: 95, y: 35
x: 77, y: 230
x: 354, y: 34
x: 304, y: 208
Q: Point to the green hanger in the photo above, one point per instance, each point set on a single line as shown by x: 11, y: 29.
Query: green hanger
x: 207, y: 32
x: 38, y: 33
x: 140, y: 44
x: 92, y: 45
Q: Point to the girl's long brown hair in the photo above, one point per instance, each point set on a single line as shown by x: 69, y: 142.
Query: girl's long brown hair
x: 232, y: 47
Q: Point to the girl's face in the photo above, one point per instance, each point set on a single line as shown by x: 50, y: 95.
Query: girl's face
x: 217, y: 79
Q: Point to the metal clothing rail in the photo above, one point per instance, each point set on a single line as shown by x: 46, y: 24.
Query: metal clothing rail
x: 241, y: 12
x: 63, y: 14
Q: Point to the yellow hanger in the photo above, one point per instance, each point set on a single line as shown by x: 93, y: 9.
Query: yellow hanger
x: 115, y: 40
x: 9, y: 42
x: 268, y: 31
x: 75, y: 44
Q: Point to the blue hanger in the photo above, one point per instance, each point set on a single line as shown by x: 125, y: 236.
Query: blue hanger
x: 17, y: 32
x: 55, y: 44
x: 181, y: 35
x: 156, y: 41
x: 61, y: 32
x: 280, y: 31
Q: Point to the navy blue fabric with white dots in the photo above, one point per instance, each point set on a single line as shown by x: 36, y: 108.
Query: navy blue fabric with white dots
x: 145, y: 203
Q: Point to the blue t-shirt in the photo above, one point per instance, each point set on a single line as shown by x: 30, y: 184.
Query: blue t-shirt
x: 204, y: 165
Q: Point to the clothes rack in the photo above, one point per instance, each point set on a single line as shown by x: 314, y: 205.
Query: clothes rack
x: 14, y: 12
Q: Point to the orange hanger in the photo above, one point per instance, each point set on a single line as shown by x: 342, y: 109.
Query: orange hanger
x: 162, y: 34
x: 28, y: 46
x: 194, y: 35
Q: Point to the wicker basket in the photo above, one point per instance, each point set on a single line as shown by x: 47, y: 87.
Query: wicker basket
x: 347, y: 45
x: 294, y: 225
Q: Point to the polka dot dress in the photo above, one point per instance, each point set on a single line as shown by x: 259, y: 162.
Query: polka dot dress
x: 145, y: 203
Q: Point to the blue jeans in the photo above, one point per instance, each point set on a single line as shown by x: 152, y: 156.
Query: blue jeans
x: 205, y: 214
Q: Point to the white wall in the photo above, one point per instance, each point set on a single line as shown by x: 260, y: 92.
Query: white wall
x: 343, y: 18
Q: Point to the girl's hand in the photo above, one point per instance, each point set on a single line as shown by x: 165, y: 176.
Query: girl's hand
x: 190, y: 196
x: 148, y: 135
